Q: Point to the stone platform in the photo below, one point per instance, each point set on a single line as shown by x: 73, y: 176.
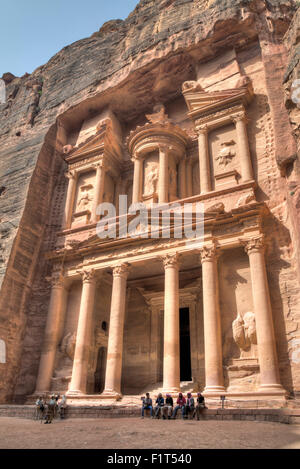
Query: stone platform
x: 286, y: 415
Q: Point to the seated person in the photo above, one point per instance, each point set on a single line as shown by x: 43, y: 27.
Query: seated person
x: 160, y: 402
x: 190, y: 405
x: 168, y: 407
x: 181, y: 402
x: 200, y: 406
x: 147, y: 404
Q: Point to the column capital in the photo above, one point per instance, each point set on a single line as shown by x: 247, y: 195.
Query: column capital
x: 57, y: 280
x: 202, y: 130
x: 164, y: 147
x: 255, y: 244
x: 239, y: 117
x: 209, y: 253
x: 102, y: 164
x: 171, y: 260
x: 71, y: 175
x: 122, y: 270
x: 88, y: 276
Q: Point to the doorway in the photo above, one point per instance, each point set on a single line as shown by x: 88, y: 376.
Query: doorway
x: 100, y: 371
x: 185, y: 346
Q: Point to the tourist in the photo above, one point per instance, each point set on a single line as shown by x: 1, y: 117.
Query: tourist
x: 40, y: 408
x: 181, y: 402
x: 190, y: 405
x: 62, y: 405
x: 147, y: 404
x: 56, y: 397
x: 50, y: 410
x: 200, y: 406
x: 160, y: 402
x: 168, y: 407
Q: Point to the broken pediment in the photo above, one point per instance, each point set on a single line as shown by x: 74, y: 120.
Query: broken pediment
x: 98, y: 135
x: 200, y: 102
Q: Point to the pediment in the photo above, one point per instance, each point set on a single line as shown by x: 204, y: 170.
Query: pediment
x: 96, y: 142
x: 201, y: 102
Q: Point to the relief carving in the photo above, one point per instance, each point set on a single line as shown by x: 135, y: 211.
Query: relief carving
x: 244, y: 331
x: 151, y: 180
x: 67, y: 346
x: 226, y: 153
x: 85, y: 198
x: 159, y: 115
x: 191, y: 86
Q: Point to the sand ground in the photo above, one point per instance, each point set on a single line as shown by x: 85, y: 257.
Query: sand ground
x: 134, y: 433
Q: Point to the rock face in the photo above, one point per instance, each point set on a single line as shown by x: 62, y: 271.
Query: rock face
x: 130, y: 66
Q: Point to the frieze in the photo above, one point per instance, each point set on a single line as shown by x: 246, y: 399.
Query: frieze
x: 219, y: 115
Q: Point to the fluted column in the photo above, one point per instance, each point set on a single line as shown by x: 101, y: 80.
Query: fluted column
x: 212, y: 322
x: 67, y: 220
x: 182, y: 178
x: 116, y: 330
x: 99, y: 188
x: 268, y: 364
x: 243, y: 147
x: 163, y: 181
x: 171, y: 365
x: 55, y: 319
x: 189, y: 179
x: 137, y: 180
x: 204, y: 163
x: 83, y: 336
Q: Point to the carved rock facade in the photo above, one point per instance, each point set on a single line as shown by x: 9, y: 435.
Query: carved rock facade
x: 197, y: 117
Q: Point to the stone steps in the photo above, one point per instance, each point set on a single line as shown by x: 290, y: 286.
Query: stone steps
x: 284, y: 415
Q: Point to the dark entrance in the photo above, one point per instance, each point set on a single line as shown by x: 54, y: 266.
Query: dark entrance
x: 185, y: 346
x: 100, y: 370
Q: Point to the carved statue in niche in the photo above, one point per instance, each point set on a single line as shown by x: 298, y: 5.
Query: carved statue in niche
x: 244, y: 331
x: 85, y: 198
x: 226, y: 153
x: 67, y: 346
x: 151, y: 179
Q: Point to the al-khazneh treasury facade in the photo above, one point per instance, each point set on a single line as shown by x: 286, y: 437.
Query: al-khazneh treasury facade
x: 126, y: 315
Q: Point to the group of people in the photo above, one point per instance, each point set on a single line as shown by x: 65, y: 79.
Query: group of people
x: 49, y: 410
x: 165, y: 407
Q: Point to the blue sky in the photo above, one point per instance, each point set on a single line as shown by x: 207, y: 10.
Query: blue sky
x: 32, y: 31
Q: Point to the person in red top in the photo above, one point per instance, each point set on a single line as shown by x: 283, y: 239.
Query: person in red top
x: 181, y: 402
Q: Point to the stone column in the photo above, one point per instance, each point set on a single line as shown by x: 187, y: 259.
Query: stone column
x: 83, y: 337
x: 67, y: 220
x: 55, y: 318
x: 189, y: 179
x: 268, y: 364
x: 137, y: 180
x: 163, y: 180
x: 98, y: 189
x: 182, y: 178
x: 204, y: 163
x: 154, y: 343
x: 171, y: 365
x: 243, y: 147
x: 212, y: 322
x: 116, y: 329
